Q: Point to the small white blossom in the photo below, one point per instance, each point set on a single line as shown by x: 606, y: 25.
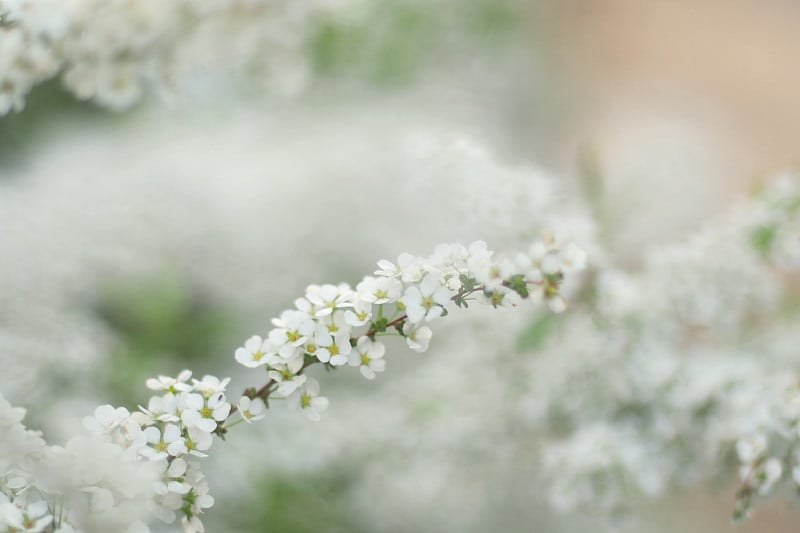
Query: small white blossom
x: 427, y: 301
x: 379, y: 290
x: 308, y: 399
x: 335, y: 349
x: 255, y: 352
x: 293, y: 328
x: 359, y: 314
x: 162, y: 445
x: 252, y: 409
x: 417, y: 338
x: 170, y: 384
x: 210, y: 385
x: 368, y: 356
x: 287, y: 381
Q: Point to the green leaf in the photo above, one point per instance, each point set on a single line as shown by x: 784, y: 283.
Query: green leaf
x: 517, y: 284
x: 467, y: 283
x: 380, y: 324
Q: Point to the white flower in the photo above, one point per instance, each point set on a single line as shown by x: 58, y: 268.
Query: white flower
x: 493, y: 275
x: 479, y: 261
x: 255, y: 352
x: 368, y: 355
x: 336, y: 323
x: 417, y: 338
x: 360, y: 314
x: 163, y: 444
x: 293, y: 327
x: 170, y: 384
x: 106, y: 418
x: 557, y: 304
x: 192, y: 525
x: 198, y: 441
x: 210, y: 385
x: 328, y: 297
x: 252, y: 410
x: 287, y: 381
x: 409, y: 268
x: 35, y: 517
x: 387, y: 269
x: 449, y: 256
x: 205, y: 413
x: 773, y: 470
x: 426, y: 301
x: 335, y: 349
x: 530, y: 264
x: 162, y: 408
x: 751, y: 448
x: 308, y: 399
x: 379, y: 290
x: 172, y: 479
x: 572, y: 258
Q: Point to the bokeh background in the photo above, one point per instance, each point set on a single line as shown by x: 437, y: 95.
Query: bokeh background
x: 143, y: 242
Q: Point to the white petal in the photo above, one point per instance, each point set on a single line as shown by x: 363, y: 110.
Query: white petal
x: 206, y: 424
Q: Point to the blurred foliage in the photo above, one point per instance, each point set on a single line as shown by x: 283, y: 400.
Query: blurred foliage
x: 790, y: 305
x: 762, y: 238
x: 296, y: 504
x: 163, y: 326
x: 539, y: 331
x: 47, y: 102
x: 397, y: 38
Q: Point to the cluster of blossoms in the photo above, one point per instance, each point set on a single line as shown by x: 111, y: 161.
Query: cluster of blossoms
x: 768, y: 447
x: 134, y: 465
x: 128, y: 467
x: 20, y: 509
x: 90, y: 484
x: 775, y: 223
x: 683, y: 361
x: 173, y: 431
x: 110, y: 51
x: 337, y: 325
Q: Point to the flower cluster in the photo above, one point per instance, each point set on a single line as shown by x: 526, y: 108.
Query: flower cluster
x: 768, y: 448
x: 775, y: 223
x: 684, y: 360
x: 20, y: 509
x: 90, y: 484
x: 132, y: 465
x: 336, y: 325
x: 175, y: 429
x: 109, y: 51
x: 129, y: 466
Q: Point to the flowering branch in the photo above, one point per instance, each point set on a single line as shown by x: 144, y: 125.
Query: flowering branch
x: 332, y: 325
